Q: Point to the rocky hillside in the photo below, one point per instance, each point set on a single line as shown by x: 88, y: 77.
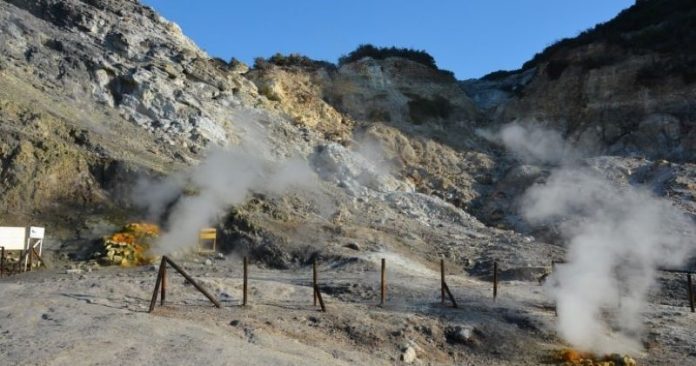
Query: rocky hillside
x: 626, y: 87
x: 95, y: 95
x: 98, y: 94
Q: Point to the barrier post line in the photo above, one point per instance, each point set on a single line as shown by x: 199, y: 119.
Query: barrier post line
x: 192, y: 281
x: 314, y: 279
x: 244, y: 286
x: 2, y: 261
x: 383, y: 286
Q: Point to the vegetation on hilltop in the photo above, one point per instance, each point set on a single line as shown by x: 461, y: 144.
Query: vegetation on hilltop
x: 291, y: 60
x: 662, y: 26
x: 655, y: 26
x: 380, y: 53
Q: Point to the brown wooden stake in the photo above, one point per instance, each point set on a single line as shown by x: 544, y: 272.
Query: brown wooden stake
x: 495, y: 280
x: 41, y: 261
x: 2, y: 261
x: 153, y: 302
x: 314, y: 279
x: 690, y: 291
x: 451, y: 297
x: 383, y: 288
x: 553, y: 269
x: 244, y: 286
x: 31, y: 257
x: 321, y: 301
x: 192, y: 281
x: 442, y: 281
x: 163, y: 294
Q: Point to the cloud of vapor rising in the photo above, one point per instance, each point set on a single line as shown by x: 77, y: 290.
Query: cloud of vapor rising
x: 617, y: 237
x: 194, y: 199
x: 532, y: 144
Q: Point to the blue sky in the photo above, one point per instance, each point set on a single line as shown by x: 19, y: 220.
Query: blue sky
x: 469, y: 37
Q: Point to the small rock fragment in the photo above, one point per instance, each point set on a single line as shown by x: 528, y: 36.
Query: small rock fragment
x: 459, y: 334
x: 352, y: 245
x: 408, y: 355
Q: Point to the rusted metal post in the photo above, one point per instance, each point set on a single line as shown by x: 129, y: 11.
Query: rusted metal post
x: 383, y: 287
x: 244, y: 286
x: 442, y: 281
x: 153, y: 302
x: 690, y: 291
x: 314, y: 279
x: 163, y: 294
x: 2, y: 261
x: 192, y: 281
x: 321, y: 301
x: 495, y: 280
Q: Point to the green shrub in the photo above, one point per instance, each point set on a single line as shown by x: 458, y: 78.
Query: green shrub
x: 499, y: 75
x: 380, y: 53
x: 291, y: 60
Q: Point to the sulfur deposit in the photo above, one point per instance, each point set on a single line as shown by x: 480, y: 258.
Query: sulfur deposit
x: 131, y: 245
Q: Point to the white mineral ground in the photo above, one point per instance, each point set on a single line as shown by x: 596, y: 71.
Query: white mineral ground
x: 100, y: 317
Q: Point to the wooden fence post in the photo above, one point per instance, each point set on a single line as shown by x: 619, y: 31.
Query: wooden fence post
x: 314, y: 279
x: 153, y: 302
x: 192, y: 281
x: 2, y: 261
x: 41, y: 261
x: 442, y: 281
x: 321, y: 301
x: 163, y: 294
x: 555, y: 305
x: 383, y: 287
x: 690, y: 291
x: 495, y: 280
x: 246, y: 273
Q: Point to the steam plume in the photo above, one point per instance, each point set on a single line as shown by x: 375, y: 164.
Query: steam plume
x: 617, y: 237
x: 533, y: 144
x: 224, y: 179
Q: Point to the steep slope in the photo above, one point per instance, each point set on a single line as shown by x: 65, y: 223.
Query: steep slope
x: 93, y: 93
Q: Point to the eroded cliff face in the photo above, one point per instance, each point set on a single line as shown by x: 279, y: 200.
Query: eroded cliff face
x: 414, y: 120
x: 609, y: 109
x: 94, y: 94
x: 626, y: 87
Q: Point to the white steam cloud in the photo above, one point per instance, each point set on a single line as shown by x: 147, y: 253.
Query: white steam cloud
x: 617, y: 237
x: 533, y: 144
x: 194, y: 199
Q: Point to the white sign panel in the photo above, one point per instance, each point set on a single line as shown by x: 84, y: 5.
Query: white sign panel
x: 13, y: 238
x: 36, y: 232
